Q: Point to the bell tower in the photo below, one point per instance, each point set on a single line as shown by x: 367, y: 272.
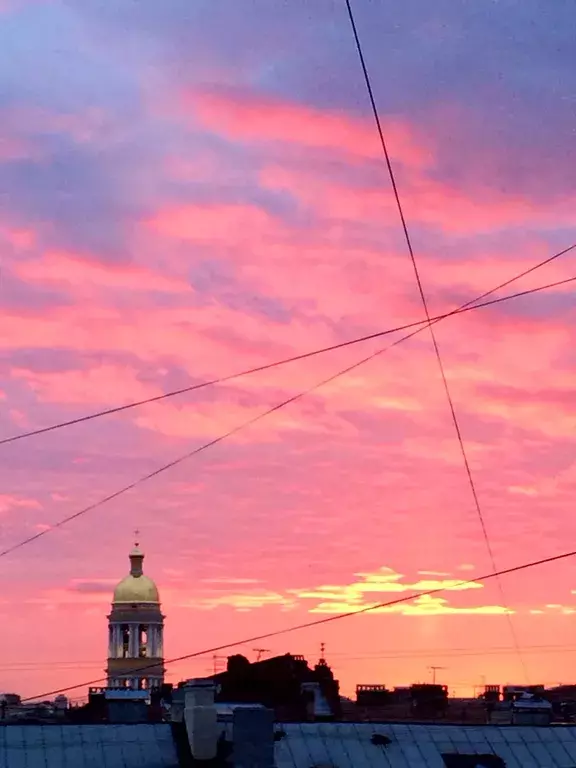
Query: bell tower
x: 136, y: 631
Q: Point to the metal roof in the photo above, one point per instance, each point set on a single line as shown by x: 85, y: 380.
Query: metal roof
x: 87, y: 746
x: 306, y: 745
x: 349, y: 745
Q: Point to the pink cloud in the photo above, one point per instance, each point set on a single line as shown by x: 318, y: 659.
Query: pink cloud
x: 246, y: 116
x: 291, y: 263
x: 428, y: 202
x: 58, y: 497
x: 10, y: 503
x: 18, y: 238
x: 102, y: 384
x: 218, y: 222
x: 551, y: 412
x: 79, y: 273
x: 12, y: 148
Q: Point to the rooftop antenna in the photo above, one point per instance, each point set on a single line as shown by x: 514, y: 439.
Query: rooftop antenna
x: 434, y: 669
x: 259, y: 652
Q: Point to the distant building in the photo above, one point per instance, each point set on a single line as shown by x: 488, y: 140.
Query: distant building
x: 136, y: 631
x: 11, y: 699
x: 116, y: 705
x: 429, y: 700
x: 285, y: 684
x: 512, y: 692
x: 372, y: 695
x: 491, y: 694
x: 530, y: 709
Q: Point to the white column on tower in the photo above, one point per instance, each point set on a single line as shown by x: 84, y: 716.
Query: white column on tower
x: 132, y: 640
x: 136, y: 640
x: 115, y: 651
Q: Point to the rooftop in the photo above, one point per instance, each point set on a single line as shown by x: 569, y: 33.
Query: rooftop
x: 301, y: 745
x: 87, y: 746
x: 349, y: 745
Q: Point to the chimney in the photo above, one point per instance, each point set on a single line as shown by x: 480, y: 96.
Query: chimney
x: 200, y: 718
x: 60, y: 706
x: 321, y: 709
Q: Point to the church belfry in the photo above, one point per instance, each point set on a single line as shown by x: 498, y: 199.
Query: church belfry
x: 136, y: 631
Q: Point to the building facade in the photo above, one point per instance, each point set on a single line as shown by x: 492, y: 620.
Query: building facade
x: 136, y: 631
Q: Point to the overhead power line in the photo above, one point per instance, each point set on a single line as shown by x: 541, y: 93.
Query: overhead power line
x: 424, y: 300
x: 424, y: 653
x: 419, y: 324
x: 249, y: 422
x: 236, y: 429
x: 340, y: 656
x: 319, y: 622
x: 527, y: 650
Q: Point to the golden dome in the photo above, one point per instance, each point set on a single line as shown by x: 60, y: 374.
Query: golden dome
x: 136, y: 588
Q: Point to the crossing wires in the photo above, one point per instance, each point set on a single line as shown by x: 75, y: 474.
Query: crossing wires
x: 318, y: 622
x: 476, y: 303
x: 471, y: 305
x: 422, y: 294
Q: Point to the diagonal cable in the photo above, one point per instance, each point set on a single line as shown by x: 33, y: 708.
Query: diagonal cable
x: 424, y: 301
x: 325, y: 620
x: 420, y: 324
x: 471, y: 305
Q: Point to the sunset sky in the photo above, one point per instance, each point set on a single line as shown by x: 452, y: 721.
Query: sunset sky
x: 191, y: 188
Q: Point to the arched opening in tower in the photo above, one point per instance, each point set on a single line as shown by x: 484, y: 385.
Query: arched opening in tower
x: 143, y: 641
x: 125, y: 641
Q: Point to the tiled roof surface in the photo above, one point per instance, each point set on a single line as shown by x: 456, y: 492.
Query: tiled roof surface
x: 87, y: 746
x: 348, y: 745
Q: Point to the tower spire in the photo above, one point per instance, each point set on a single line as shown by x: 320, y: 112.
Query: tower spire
x: 136, y: 557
